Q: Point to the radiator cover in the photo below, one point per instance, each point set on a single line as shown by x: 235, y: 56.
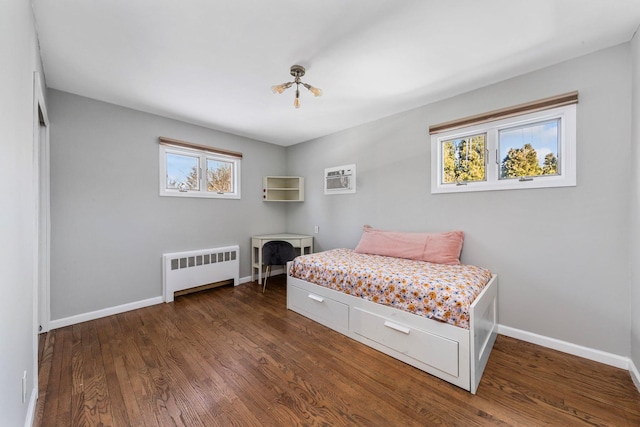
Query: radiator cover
x: 185, y: 270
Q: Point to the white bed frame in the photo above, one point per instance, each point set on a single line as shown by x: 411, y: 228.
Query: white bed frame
x: 453, y: 354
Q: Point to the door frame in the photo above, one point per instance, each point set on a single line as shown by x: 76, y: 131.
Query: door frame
x: 42, y: 209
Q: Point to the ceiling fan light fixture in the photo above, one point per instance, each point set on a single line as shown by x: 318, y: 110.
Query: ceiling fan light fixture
x: 297, y: 71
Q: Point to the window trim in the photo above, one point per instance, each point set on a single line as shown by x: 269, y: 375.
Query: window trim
x: 190, y: 145
x: 503, y: 113
x: 566, y: 152
x: 203, y: 153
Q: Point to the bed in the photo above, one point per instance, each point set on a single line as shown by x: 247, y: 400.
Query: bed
x: 438, y: 317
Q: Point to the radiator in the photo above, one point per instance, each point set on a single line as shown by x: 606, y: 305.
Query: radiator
x: 185, y: 270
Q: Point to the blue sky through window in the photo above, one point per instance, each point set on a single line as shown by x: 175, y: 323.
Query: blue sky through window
x: 178, y: 168
x: 542, y: 136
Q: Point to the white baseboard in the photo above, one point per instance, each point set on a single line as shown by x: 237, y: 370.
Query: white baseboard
x: 79, y: 318
x: 274, y: 272
x: 635, y: 375
x: 567, y: 347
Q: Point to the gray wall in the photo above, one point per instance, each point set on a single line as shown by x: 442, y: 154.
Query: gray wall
x: 109, y: 224
x: 561, y: 253
x: 635, y: 211
x: 19, y: 53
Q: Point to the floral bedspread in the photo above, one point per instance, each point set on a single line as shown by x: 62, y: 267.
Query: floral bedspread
x: 437, y: 291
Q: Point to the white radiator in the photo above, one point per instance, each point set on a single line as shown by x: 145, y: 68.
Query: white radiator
x: 184, y: 270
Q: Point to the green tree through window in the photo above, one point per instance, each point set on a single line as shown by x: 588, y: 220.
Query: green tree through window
x: 524, y: 162
x: 464, y: 159
x: 550, y: 166
x: 520, y: 162
x: 529, y: 150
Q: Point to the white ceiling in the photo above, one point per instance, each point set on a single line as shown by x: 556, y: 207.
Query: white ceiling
x: 212, y: 62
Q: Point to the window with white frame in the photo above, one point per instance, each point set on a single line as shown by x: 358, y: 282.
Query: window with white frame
x: 528, y: 146
x: 191, y: 170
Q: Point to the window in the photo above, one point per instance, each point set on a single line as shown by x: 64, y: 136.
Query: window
x: 464, y: 159
x: 190, y: 170
x: 524, y: 150
x: 529, y: 150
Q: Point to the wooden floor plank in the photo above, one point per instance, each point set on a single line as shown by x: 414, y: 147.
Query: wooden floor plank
x: 45, y: 360
x: 117, y: 392
x: 233, y: 356
x: 61, y: 381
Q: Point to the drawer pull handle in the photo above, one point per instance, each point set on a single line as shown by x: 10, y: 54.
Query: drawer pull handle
x: 396, y: 327
x: 316, y: 298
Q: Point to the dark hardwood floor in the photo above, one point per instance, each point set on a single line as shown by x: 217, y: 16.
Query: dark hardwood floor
x: 237, y: 357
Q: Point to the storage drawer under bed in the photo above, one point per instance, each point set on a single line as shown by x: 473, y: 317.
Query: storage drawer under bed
x: 324, y: 310
x: 423, y: 346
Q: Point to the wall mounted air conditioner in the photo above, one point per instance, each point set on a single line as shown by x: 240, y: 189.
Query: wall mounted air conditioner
x: 340, y: 179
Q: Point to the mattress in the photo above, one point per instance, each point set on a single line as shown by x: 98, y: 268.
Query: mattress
x: 437, y: 291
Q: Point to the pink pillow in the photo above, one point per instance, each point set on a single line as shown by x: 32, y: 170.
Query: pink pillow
x: 440, y: 248
x: 444, y: 248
